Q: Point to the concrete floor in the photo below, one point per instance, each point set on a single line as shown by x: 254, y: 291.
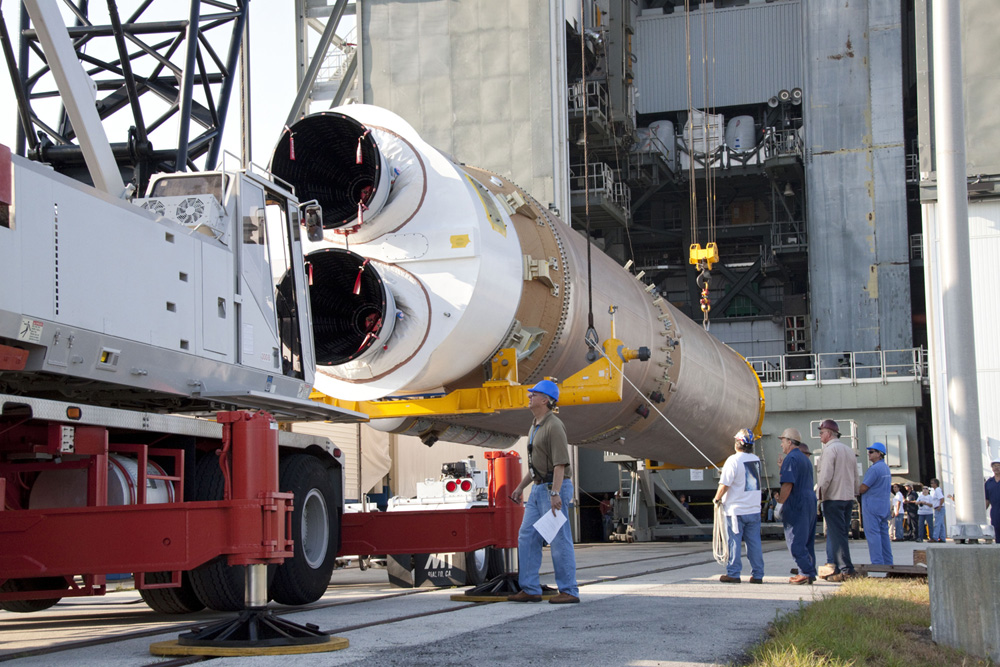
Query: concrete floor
x: 642, y: 604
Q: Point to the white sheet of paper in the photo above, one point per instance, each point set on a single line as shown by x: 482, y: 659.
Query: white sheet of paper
x: 549, y: 525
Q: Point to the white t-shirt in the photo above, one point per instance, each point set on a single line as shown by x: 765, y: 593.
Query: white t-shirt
x: 741, y: 473
x: 923, y: 504
x: 897, y: 502
x: 938, y: 496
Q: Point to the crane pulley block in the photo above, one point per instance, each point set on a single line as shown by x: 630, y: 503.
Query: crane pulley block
x: 709, y: 254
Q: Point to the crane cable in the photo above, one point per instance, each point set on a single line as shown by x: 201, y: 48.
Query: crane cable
x: 591, y: 335
x: 720, y: 537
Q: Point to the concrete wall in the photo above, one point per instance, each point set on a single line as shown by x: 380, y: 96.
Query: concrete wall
x: 965, y: 609
x: 980, y: 81
x: 476, y: 79
x: 858, y: 241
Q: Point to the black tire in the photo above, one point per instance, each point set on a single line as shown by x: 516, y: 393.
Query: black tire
x: 305, y: 577
x: 216, y: 584
x: 494, y: 557
x: 481, y: 565
x: 181, y: 600
x: 24, y: 585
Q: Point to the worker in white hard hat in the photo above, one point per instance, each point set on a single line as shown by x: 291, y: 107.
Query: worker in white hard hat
x: 876, y: 496
x: 739, y: 495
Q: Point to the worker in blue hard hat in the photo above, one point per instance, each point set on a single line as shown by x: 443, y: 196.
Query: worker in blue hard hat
x: 876, y: 493
x: 551, y: 491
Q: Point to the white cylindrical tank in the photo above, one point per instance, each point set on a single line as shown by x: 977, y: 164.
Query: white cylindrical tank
x: 740, y: 134
x: 663, y: 131
x: 68, y: 488
x: 473, y: 265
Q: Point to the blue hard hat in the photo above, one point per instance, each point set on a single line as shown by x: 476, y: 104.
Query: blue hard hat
x: 744, y: 436
x: 547, y: 387
x: 878, y: 447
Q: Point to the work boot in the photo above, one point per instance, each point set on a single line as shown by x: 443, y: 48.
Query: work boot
x: 726, y: 579
x: 800, y: 579
x: 523, y: 596
x: 754, y: 580
x: 564, y: 598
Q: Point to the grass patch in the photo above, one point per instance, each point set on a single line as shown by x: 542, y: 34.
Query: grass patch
x: 870, y: 622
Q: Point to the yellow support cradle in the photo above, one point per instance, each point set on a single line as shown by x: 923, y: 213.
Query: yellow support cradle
x: 599, y: 382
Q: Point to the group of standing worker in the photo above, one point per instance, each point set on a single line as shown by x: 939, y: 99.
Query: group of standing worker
x: 739, y: 493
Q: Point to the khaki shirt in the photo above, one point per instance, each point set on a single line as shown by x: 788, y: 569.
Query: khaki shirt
x: 549, y: 446
x: 838, y: 472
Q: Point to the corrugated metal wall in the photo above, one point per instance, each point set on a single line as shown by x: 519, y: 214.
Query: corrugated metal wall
x: 859, y: 274
x: 984, y: 248
x: 345, y: 436
x: 753, y: 52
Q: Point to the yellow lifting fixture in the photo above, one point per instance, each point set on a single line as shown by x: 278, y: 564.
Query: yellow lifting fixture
x: 599, y: 382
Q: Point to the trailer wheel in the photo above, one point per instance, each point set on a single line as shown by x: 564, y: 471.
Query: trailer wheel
x: 482, y: 565
x: 25, y: 585
x: 494, y: 557
x: 216, y: 584
x: 181, y: 600
x: 315, y: 529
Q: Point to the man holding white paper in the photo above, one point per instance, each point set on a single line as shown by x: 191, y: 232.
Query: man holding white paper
x: 551, y: 492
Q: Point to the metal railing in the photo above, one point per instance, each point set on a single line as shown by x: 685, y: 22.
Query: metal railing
x: 781, y: 142
x: 916, y: 246
x: 594, y: 102
x: 335, y: 62
x: 912, y: 167
x: 789, y: 235
x: 854, y: 368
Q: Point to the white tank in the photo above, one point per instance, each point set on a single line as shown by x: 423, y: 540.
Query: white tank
x: 740, y: 134
x: 663, y: 131
x: 68, y: 488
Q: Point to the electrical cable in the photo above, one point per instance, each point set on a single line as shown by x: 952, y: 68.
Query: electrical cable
x: 720, y: 536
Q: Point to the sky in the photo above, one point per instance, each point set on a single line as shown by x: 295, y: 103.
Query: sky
x: 272, y: 64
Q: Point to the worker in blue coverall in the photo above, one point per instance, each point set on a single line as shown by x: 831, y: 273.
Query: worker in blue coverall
x: 797, y: 509
x: 993, y: 498
x: 876, y: 495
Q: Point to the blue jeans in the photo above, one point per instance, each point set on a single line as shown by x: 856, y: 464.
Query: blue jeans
x: 838, y: 525
x: 877, y: 536
x: 529, y: 543
x: 925, y: 526
x: 899, y: 526
x: 747, y: 529
x: 800, y: 534
x: 938, y: 533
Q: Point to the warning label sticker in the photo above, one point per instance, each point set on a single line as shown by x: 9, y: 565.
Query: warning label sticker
x: 30, y: 330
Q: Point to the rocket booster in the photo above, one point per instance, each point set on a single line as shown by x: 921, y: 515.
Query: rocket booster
x: 421, y: 269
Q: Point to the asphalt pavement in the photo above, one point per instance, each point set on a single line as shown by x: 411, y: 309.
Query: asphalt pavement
x: 641, y: 604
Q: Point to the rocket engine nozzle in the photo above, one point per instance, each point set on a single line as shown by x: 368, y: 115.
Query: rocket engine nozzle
x: 334, y: 159
x: 352, y: 309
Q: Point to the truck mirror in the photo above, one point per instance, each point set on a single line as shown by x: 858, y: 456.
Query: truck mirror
x: 314, y: 220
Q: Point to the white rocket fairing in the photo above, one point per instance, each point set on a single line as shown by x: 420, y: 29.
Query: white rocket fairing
x: 425, y: 268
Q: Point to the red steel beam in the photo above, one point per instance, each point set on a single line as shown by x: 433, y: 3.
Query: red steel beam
x: 433, y: 531
x: 137, y: 538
